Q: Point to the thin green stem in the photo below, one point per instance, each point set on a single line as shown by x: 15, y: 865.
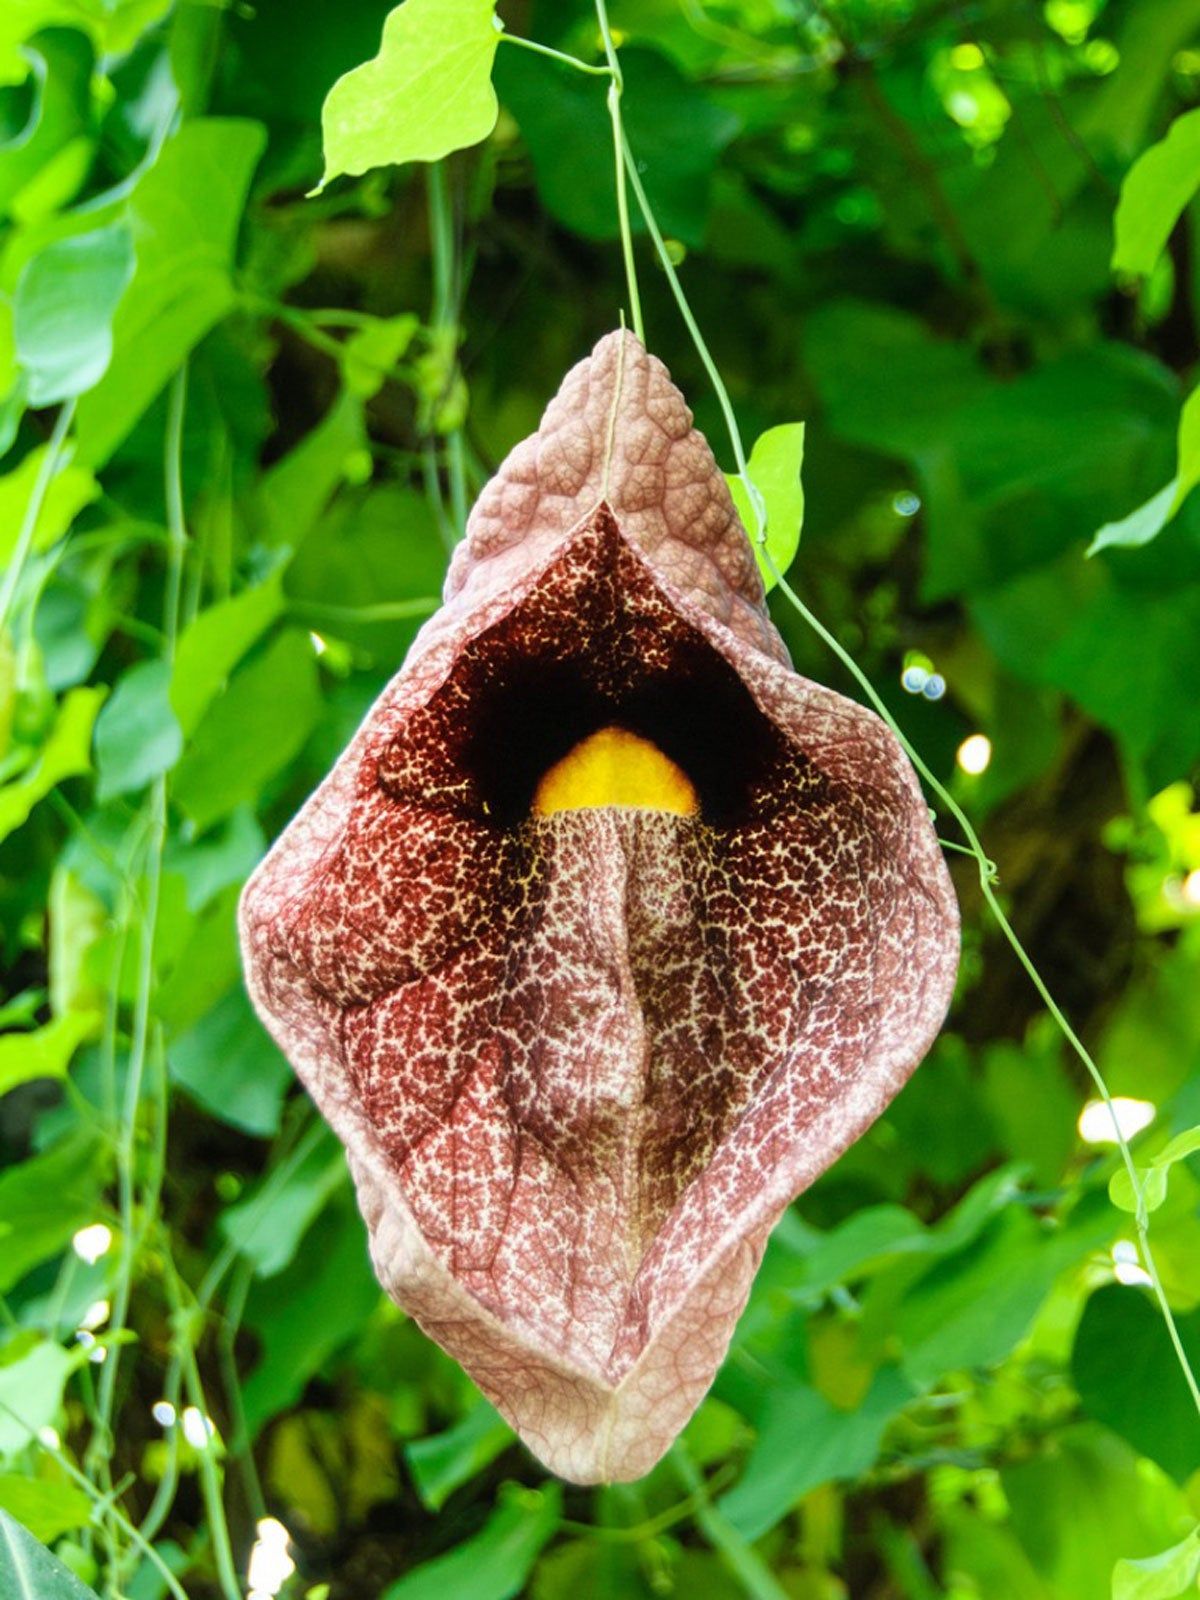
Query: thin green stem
x: 743, y: 1561
x: 176, y: 525
x: 555, y: 55
x: 620, y: 147
x: 210, y: 1484
x: 47, y: 469
x: 987, y: 870
x: 693, y: 328
x: 446, y: 290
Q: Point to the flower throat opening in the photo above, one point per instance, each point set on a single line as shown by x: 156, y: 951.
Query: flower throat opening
x: 613, y: 767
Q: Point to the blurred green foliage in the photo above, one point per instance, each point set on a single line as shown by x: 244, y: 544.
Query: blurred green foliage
x: 240, y: 426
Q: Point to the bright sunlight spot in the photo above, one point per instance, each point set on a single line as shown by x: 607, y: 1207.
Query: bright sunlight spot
x: 975, y: 754
x: 1096, y: 1120
x: 1127, y: 1266
x: 163, y: 1413
x: 197, y: 1428
x: 270, y: 1565
x: 96, y: 1315
x: 90, y: 1243
x: 966, y: 57
x: 1191, y: 887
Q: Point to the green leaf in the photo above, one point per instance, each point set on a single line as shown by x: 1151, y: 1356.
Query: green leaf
x: 370, y: 571
x: 309, y: 1311
x: 47, y: 1508
x: 31, y: 1391
x: 775, y: 465
x: 269, y: 1232
x: 1161, y: 1577
x: 44, y: 1201
x: 63, y: 311
x: 70, y: 489
x: 29, y: 1572
x: 1150, y: 518
x: 836, y: 1445
x: 213, y: 644
x: 44, y: 1053
x: 66, y: 754
x: 1123, y: 1354
x: 496, y: 1563
x: 426, y: 93
x: 294, y: 492
x: 185, y: 214
x: 1079, y: 1508
x: 251, y: 731
x: 229, y: 1065
x: 1011, y: 1267
x: 78, y: 921
x: 373, y: 350
x: 1156, y: 189
x: 677, y: 132
x: 443, y: 1462
x: 1141, y: 525
x: 1153, y: 1178
x: 137, y: 735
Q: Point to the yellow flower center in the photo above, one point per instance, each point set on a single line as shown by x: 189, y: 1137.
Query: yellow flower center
x: 613, y: 767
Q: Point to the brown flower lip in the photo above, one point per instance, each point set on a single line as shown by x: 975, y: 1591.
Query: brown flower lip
x: 582, y: 1058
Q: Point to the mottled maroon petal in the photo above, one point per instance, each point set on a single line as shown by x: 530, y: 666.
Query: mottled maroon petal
x: 582, y: 1061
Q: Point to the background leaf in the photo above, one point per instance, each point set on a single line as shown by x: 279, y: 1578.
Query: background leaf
x: 396, y: 107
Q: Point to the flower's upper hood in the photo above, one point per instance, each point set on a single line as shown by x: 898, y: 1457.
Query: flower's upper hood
x: 582, y: 1058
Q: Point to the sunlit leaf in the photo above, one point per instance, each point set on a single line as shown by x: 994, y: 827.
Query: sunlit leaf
x: 45, y: 1052
x: 268, y: 1230
x: 29, y: 1572
x: 1153, y: 1178
x: 229, y: 1065
x: 775, y: 465
x: 294, y: 492
x: 31, y: 1391
x: 251, y: 730
x: 185, y: 213
x: 496, y: 1563
x: 1161, y: 1577
x: 213, y: 644
x: 70, y: 489
x: 427, y: 92
x: 66, y: 754
x: 46, y: 1507
x: 836, y: 1445
x: 1156, y: 189
x: 137, y: 735
x: 43, y: 1201
x: 63, y: 311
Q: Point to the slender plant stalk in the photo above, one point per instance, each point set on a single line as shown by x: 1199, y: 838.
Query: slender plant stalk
x: 555, y: 55
x: 615, y: 89
x: 740, y: 1557
x: 47, y: 469
x: 446, y: 290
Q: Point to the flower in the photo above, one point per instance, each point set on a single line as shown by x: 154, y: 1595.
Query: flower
x: 605, y: 936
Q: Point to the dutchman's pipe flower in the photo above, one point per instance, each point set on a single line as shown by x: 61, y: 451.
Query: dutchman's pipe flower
x: 605, y: 936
